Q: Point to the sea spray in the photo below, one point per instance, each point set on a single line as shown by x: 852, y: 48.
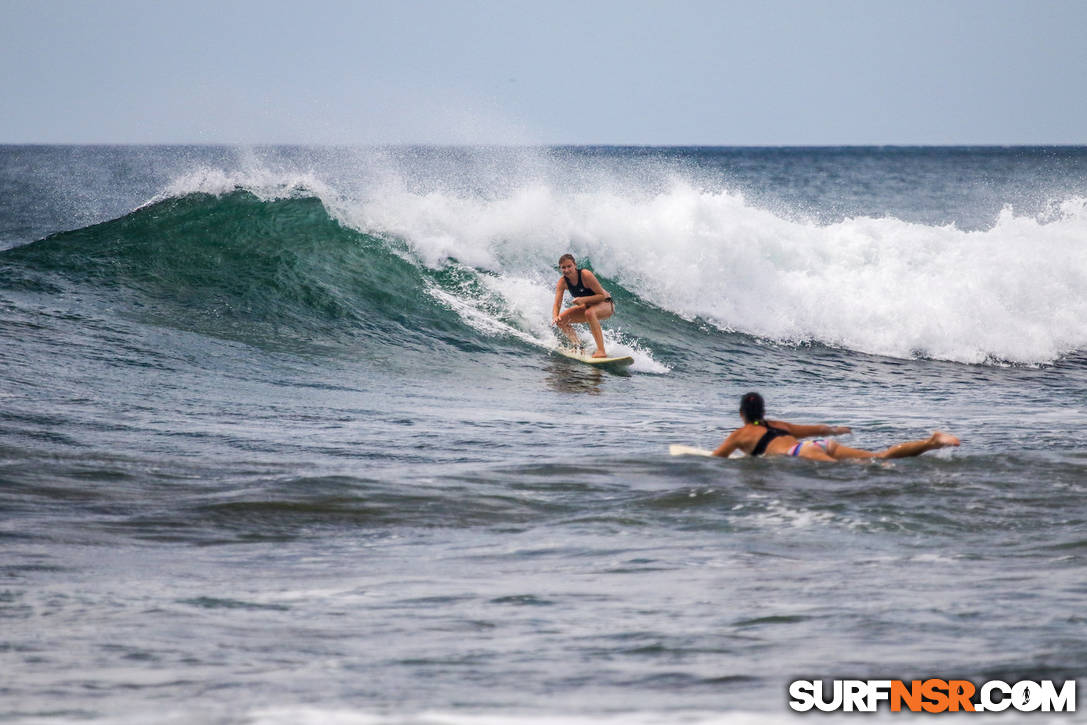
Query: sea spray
x: 875, y: 285
x: 255, y: 471
x: 678, y: 234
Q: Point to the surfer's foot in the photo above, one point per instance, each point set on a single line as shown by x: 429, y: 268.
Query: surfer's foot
x: 600, y: 353
x: 943, y: 440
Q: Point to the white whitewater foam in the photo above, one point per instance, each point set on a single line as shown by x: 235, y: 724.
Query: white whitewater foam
x: 264, y: 184
x: 1015, y: 292
x: 532, y: 300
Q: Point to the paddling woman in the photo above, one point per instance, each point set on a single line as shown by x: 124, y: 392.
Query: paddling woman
x: 759, y: 436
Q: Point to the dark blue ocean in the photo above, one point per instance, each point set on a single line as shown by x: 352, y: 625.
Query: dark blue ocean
x: 283, y: 438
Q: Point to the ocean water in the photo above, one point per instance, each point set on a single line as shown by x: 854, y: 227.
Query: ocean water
x: 282, y: 438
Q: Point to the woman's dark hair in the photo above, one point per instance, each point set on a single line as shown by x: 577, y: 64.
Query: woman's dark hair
x: 752, y: 407
x: 564, y: 257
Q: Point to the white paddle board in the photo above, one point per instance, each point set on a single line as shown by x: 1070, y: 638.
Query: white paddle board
x: 677, y: 449
x: 613, y: 362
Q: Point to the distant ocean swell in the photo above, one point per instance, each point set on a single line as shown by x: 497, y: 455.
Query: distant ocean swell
x: 288, y: 261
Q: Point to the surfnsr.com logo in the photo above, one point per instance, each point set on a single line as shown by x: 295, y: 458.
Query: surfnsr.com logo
x: 932, y: 695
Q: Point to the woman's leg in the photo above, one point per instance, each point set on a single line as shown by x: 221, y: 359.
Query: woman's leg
x: 813, y: 452
x: 835, y: 451
x: 593, y: 315
x: 902, y: 450
x: 566, y: 319
x: 916, y: 448
x: 839, y: 452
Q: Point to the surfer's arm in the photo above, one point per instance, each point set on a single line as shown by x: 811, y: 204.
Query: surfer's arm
x: 808, y: 431
x: 560, y: 290
x: 729, y: 445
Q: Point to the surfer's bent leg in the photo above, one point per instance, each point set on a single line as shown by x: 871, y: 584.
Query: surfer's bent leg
x: 593, y: 315
x: 566, y: 318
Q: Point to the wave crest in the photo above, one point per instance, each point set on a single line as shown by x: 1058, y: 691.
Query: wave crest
x: 1015, y: 292
x: 415, y: 263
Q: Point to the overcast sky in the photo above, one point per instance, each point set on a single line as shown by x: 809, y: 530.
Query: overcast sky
x: 674, y: 72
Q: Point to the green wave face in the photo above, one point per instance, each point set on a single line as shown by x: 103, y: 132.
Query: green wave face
x: 284, y: 274
x: 279, y: 273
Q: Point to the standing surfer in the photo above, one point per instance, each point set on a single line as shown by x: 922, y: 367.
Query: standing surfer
x: 592, y: 303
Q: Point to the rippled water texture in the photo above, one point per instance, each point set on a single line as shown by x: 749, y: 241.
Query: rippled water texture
x: 283, y: 439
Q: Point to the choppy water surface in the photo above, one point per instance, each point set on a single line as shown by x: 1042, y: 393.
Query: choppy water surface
x: 282, y: 438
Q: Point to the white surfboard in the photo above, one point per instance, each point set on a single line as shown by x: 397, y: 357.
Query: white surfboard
x: 612, y: 362
x: 677, y: 449
x: 680, y: 450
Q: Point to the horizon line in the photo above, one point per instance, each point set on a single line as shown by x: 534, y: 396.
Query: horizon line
x: 584, y: 145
